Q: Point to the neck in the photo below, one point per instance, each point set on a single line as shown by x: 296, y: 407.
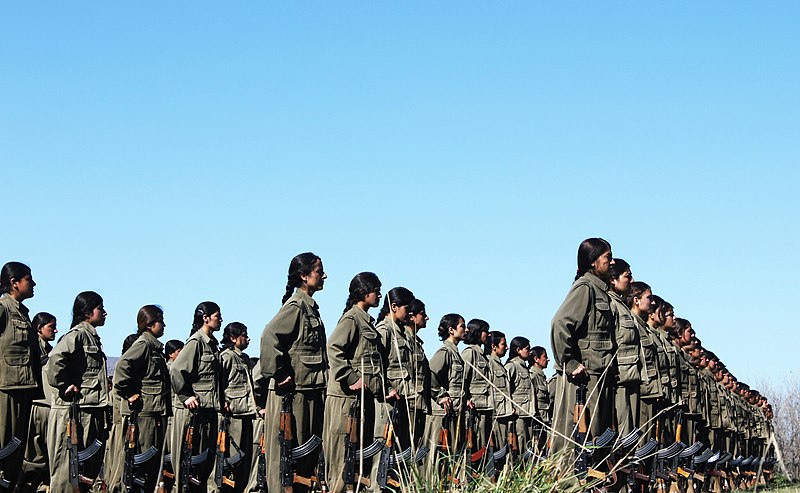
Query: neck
x: 363, y: 305
x: 308, y: 290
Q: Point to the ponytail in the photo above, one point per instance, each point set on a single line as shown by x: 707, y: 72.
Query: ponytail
x: 362, y: 284
x: 301, y: 264
x: 204, y: 309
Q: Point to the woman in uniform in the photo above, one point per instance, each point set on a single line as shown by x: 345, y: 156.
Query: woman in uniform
x: 476, y: 383
x: 500, y: 391
x: 20, y: 368
x: 77, y: 371
x: 541, y: 396
x: 357, y: 359
x: 141, y: 380
x: 293, y: 356
x: 195, y: 377
x: 519, y: 380
x: 629, y: 364
x: 640, y: 303
x: 582, y: 335
x: 240, y: 402
x: 418, y: 392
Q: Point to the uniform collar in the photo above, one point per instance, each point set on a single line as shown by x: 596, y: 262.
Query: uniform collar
x: 151, y: 339
x: 616, y: 296
x: 362, y: 315
x: 449, y: 345
x: 535, y: 369
x: 87, y: 327
x: 496, y: 359
x: 301, y: 295
x: 14, y: 303
x: 202, y: 336
x: 593, y: 279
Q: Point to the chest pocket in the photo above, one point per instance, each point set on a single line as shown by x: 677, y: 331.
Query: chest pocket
x: 313, y: 332
x: 370, y: 350
x: 18, y: 352
x: 604, y: 319
x: 95, y: 359
x: 207, y: 370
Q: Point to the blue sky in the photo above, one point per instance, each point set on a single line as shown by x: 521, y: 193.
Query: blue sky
x: 173, y: 153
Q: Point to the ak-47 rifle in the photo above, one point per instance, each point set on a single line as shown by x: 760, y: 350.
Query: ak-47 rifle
x: 189, y: 461
x: 131, y: 433
x: 386, y: 453
x: 285, y: 438
x: 222, y: 474
x: 6, y: 451
x: 513, y: 443
x: 580, y: 431
x: 351, y: 448
x: 262, y: 463
x: 77, y: 457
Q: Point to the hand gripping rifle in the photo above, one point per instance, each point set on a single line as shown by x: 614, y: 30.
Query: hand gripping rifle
x: 386, y: 452
x: 352, y: 451
x: 78, y: 457
x: 223, y: 474
x: 289, y: 455
x: 133, y: 461
x: 581, y: 421
x: 188, y: 461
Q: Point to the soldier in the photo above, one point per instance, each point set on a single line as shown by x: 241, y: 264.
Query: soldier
x: 357, y: 359
x: 629, y: 363
x: 196, y: 383
x: 690, y: 386
x: 260, y: 390
x: 661, y: 321
x: 113, y: 463
x: 141, y: 380
x: 640, y: 303
x: 35, y: 468
x: 294, y: 358
x: 504, y: 411
x: 77, y: 371
x: 541, y: 396
x: 20, y: 370
x: 240, y: 404
x: 476, y: 381
x: 522, y: 393
x: 172, y: 349
x: 583, y: 347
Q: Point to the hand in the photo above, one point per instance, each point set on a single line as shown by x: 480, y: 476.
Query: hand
x: 580, y: 371
x: 133, y: 399
x: 262, y: 412
x: 285, y: 383
x: 445, y: 403
x: 71, y: 390
x: 470, y: 404
x: 392, y: 395
x: 192, y: 403
x: 358, y: 385
x: 227, y: 407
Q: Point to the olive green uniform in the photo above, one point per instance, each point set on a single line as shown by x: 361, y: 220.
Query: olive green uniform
x: 503, y: 409
x: 629, y: 366
x: 239, y: 395
x: 583, y: 333
x: 113, y: 465
x: 143, y: 370
x: 77, y: 359
x: 522, y: 393
x: 691, y: 395
x: 260, y: 390
x: 20, y: 381
x: 447, y: 380
x: 293, y: 345
x: 650, y: 390
x: 355, y: 351
x: 196, y: 373
x: 541, y: 397
x: 35, y: 467
x: 476, y: 386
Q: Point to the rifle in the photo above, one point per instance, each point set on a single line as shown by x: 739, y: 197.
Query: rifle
x: 6, y: 451
x: 77, y: 457
x: 222, y: 462
x: 285, y: 438
x: 580, y: 431
x: 167, y: 475
x: 386, y: 453
x: 351, y: 448
x: 189, y: 461
x: 130, y: 449
x: 262, y: 463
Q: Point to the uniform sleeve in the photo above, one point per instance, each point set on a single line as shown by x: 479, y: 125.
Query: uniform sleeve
x: 468, y: 356
x: 183, y: 371
x: 340, y: 350
x: 440, y: 380
x: 278, y: 337
x: 130, y: 370
x: 569, y: 317
x: 57, y: 374
x: 511, y: 369
x: 226, y: 361
x: 3, y: 318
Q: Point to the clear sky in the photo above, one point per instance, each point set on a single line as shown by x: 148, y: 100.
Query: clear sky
x: 173, y: 152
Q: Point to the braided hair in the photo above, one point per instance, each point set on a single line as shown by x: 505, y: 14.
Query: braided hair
x: 396, y: 296
x: 362, y: 284
x: 301, y: 265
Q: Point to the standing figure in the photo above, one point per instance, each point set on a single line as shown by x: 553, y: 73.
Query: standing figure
x: 20, y: 370
x: 78, y: 375
x: 197, y: 398
x: 240, y: 405
x: 476, y: 381
x: 629, y: 364
x: 522, y: 395
x: 36, y: 468
x: 541, y: 397
x: 142, y: 382
x: 582, y: 337
x: 503, y: 409
x: 293, y: 356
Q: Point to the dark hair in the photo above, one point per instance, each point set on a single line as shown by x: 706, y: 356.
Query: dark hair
x: 590, y: 250
x: 232, y: 330
x: 204, y: 309
x: 171, y: 346
x: 448, y: 321
x: 657, y: 303
x: 12, y: 270
x: 147, y: 316
x: 362, y: 284
x: 416, y: 307
x: 618, y: 268
x: 517, y: 343
x: 495, y: 337
x: 301, y: 265
x: 475, y: 327
x: 537, y: 351
x: 41, y: 319
x: 129, y: 340
x: 636, y: 291
x: 84, y: 304
x: 398, y: 296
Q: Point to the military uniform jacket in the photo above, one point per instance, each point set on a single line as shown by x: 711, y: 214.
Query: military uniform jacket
x: 541, y: 394
x: 476, y: 377
x: 78, y: 359
x: 712, y: 413
x: 519, y: 378
x: 663, y: 362
x: 583, y: 328
x: 447, y: 378
x: 355, y: 350
x: 408, y: 370
x: 690, y: 386
x: 237, y: 384
x: 629, y: 363
x: 651, y: 380
x: 44, y: 353
x: 196, y: 372
x: 143, y: 370
x: 501, y: 404
x: 670, y: 377
x: 293, y: 345
x: 19, y: 352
